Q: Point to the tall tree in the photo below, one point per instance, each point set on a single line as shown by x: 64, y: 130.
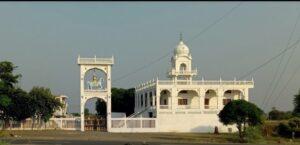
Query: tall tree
x: 8, y: 80
x: 296, y: 110
x: 20, y: 107
x: 241, y: 113
x: 101, y: 108
x: 43, y: 103
x: 122, y: 100
x: 275, y: 114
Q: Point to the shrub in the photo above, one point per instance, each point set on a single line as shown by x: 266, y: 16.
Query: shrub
x: 253, y: 134
x: 294, y: 123
x: 284, y: 130
x: 3, y: 143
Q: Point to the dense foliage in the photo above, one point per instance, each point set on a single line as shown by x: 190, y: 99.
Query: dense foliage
x: 241, y: 113
x: 275, y: 114
x: 296, y: 110
x: 122, y: 100
x: 43, y: 103
x: 17, y: 104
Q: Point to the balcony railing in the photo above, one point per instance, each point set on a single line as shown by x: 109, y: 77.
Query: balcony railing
x: 204, y: 82
x: 95, y: 60
x: 165, y: 107
x: 182, y: 72
x: 180, y: 107
x: 210, y: 107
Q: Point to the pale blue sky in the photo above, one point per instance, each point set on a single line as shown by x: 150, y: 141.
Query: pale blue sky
x: 45, y: 38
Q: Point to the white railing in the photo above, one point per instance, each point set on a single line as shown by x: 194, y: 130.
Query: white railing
x: 53, y: 123
x: 210, y: 107
x: 165, y: 107
x: 139, y: 112
x: 146, y: 85
x: 95, y: 60
x: 182, y: 72
x: 133, y: 124
x: 203, y: 82
x: 187, y: 107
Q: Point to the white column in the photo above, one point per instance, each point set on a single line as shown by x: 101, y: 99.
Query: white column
x: 82, y: 102
x: 174, y: 98
x: 246, y: 94
x: 108, y: 103
x: 148, y: 99
x: 82, y: 99
x: 153, y: 99
x: 157, y: 100
x: 144, y: 102
x: 202, y: 99
x: 220, y: 99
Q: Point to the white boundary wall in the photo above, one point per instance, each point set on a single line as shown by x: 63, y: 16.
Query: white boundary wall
x: 52, y: 124
x: 133, y: 125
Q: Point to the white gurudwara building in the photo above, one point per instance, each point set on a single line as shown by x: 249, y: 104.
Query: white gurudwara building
x: 182, y: 104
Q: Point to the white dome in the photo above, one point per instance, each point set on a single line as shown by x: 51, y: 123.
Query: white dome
x: 181, y: 49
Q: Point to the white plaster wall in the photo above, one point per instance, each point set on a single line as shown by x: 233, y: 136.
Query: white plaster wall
x: 192, y: 98
x: 235, y: 94
x: 191, y: 123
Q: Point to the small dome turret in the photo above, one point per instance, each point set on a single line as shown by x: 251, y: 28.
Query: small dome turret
x: 181, y: 49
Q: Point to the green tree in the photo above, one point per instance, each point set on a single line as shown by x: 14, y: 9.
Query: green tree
x: 296, y: 110
x: 101, y: 108
x: 275, y: 114
x: 123, y: 100
x: 43, y: 103
x: 241, y: 113
x: 8, y: 80
x: 20, y: 107
x: 86, y: 112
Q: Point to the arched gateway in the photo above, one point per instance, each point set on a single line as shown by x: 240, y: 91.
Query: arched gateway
x: 95, y: 82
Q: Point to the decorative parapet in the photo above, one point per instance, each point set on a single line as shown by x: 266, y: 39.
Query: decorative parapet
x: 95, y: 60
x: 148, y: 84
x: 187, y: 82
x: 182, y: 72
x: 205, y: 82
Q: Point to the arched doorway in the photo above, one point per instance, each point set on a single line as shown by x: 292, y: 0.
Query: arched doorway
x: 165, y: 99
x: 230, y: 95
x: 211, y: 99
x: 95, y: 82
x: 95, y: 115
x: 188, y: 99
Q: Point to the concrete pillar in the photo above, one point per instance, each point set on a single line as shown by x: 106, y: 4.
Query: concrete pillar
x: 148, y: 102
x: 82, y: 99
x: 202, y: 99
x: 246, y: 94
x: 108, y: 102
x: 174, y: 98
x: 220, y: 98
x: 82, y: 113
x: 144, y: 100
x: 153, y: 99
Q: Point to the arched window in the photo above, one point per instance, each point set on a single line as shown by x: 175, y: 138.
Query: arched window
x: 182, y: 67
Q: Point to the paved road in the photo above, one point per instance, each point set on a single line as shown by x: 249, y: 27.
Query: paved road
x: 89, y: 142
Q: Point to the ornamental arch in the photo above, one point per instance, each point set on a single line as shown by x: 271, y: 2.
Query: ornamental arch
x: 95, y: 82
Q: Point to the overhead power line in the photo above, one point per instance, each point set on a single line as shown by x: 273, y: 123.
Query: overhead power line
x: 215, y: 22
x: 285, y: 86
x: 193, y: 38
x: 141, y: 68
x: 278, y: 66
x: 269, y: 60
x: 285, y: 66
